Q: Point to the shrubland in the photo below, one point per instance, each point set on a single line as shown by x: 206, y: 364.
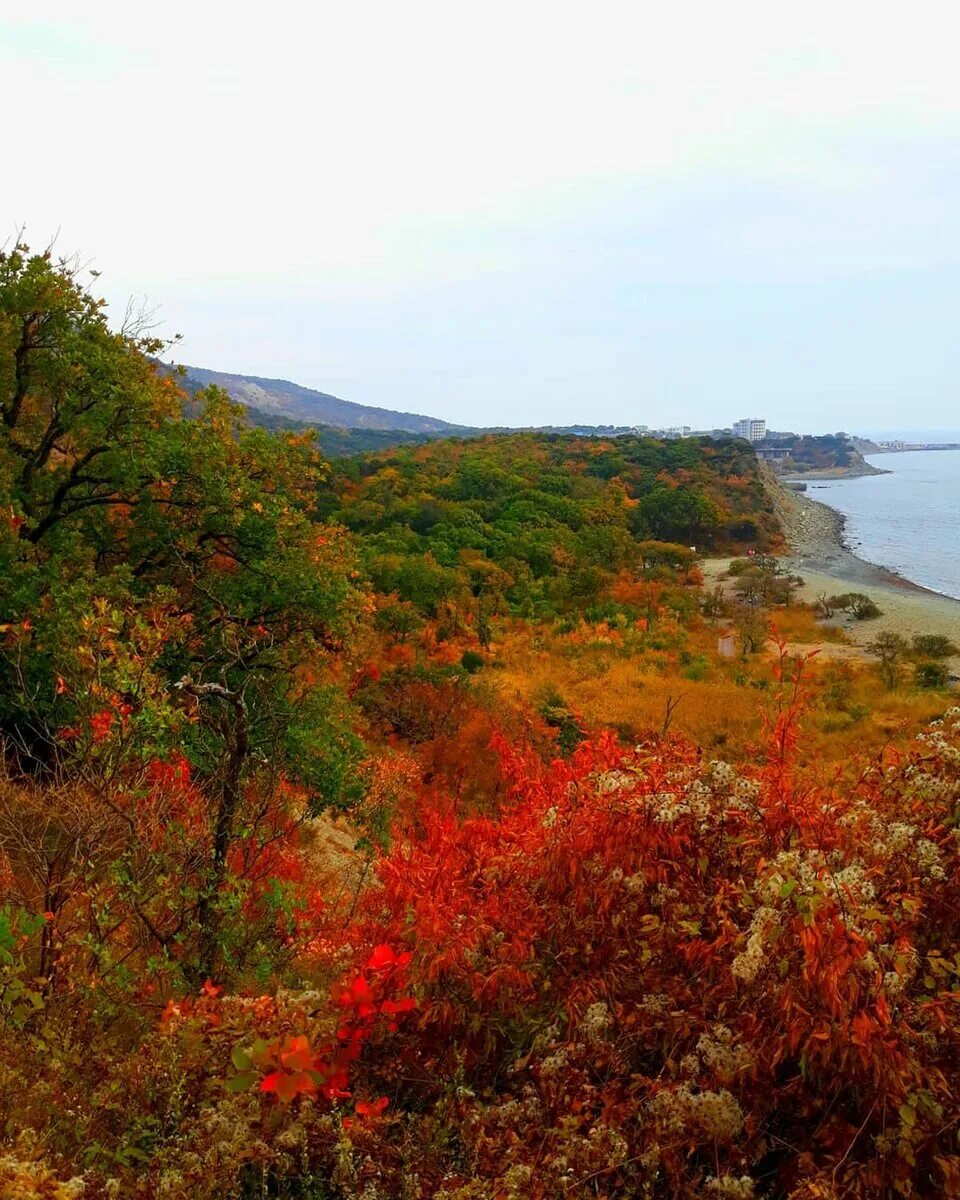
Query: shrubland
x: 422, y: 827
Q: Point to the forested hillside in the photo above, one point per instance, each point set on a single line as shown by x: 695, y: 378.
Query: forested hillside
x: 421, y: 827
x: 832, y: 453
x: 544, y: 520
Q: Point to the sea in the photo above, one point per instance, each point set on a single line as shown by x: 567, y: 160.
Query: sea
x: 909, y: 520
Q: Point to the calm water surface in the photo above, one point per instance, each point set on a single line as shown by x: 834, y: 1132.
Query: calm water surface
x: 909, y: 520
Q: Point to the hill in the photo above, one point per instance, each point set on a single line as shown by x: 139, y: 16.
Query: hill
x: 280, y: 404
x: 544, y: 522
x: 827, y: 456
x: 282, y: 398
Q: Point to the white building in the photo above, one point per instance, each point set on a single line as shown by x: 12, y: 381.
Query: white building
x: 754, y: 429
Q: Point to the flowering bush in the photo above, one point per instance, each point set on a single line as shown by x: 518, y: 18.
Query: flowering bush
x: 656, y: 975
x: 651, y: 975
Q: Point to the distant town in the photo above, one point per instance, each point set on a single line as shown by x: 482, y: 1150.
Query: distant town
x: 754, y: 429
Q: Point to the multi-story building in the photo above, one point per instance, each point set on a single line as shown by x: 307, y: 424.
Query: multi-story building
x: 754, y: 429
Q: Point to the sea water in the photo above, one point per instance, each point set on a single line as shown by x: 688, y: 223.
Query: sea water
x: 908, y: 520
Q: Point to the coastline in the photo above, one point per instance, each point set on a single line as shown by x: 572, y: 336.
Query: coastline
x: 860, y: 471
x: 818, y: 553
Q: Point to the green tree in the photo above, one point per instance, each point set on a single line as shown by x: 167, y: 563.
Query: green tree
x: 889, y: 648
x: 673, y: 514
x: 164, y: 585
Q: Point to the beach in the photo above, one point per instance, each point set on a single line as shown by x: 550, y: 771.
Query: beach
x: 817, y: 553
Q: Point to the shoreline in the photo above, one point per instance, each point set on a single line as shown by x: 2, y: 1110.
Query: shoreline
x: 819, y: 554
x: 834, y: 473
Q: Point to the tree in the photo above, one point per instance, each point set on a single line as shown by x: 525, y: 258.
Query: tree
x: 678, y: 515
x: 168, y: 596
x: 889, y: 648
x: 752, y: 628
x: 653, y: 554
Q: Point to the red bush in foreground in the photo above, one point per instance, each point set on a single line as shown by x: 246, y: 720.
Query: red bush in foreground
x: 660, y: 976
x: 652, y: 975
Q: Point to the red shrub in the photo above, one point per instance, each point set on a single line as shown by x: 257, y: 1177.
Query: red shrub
x: 657, y: 975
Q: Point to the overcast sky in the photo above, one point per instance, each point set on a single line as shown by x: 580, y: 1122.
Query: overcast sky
x: 516, y: 213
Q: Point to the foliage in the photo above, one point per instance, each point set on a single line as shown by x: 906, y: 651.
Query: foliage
x: 889, y: 649
x: 931, y: 675
x: 535, y: 523
x: 441, y: 889
x: 169, y: 604
x: 934, y: 645
x: 855, y: 604
x: 808, y: 452
x: 471, y: 661
x: 335, y: 441
x: 742, y: 979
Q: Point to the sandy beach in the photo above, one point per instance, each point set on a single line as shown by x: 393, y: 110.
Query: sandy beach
x: 817, y: 553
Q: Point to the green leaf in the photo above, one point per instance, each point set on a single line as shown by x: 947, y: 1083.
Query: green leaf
x: 242, y: 1081
x: 241, y: 1059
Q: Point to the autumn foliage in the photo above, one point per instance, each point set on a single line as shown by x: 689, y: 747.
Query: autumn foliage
x: 447, y: 857
x: 656, y: 975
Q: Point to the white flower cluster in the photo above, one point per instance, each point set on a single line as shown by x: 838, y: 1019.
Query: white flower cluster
x: 883, y: 840
x: 716, y: 1052
x: 746, y: 792
x: 730, y: 1187
x: 929, y: 860
x: 615, y: 781
x: 517, y: 1179
x: 747, y: 964
x: 905, y: 963
x: 717, y: 1113
x: 662, y: 894
x: 667, y: 807
x: 927, y: 786
x: 720, y: 1053
x: 596, y: 1022
x: 37, y: 1180
x: 814, y: 873
x: 721, y: 774
x: 554, y: 1063
x: 936, y: 738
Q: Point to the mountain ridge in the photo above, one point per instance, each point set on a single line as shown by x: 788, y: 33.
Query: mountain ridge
x: 284, y: 398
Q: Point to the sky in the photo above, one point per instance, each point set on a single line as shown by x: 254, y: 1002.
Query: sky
x: 515, y: 213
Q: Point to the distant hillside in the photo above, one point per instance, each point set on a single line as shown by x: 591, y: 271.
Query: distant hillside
x: 829, y: 456
x: 281, y: 398
x: 336, y: 441
x: 544, y: 522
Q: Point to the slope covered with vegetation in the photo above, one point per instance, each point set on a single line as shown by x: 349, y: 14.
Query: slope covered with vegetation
x: 545, y: 521
x: 282, y: 398
x: 807, y: 454
x: 400, y: 830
